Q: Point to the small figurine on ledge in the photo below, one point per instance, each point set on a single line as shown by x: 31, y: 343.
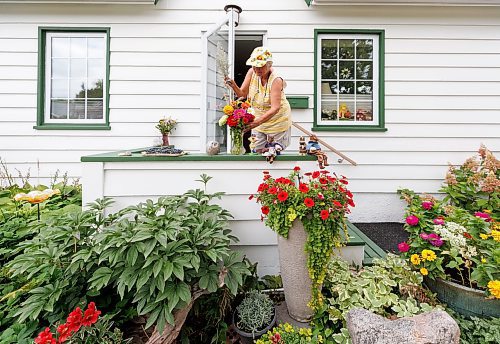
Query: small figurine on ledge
x: 313, y: 148
x: 302, y: 146
x: 253, y: 144
x: 271, y: 149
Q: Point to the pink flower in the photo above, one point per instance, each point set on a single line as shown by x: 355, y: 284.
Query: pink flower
x: 239, y: 112
x: 412, y: 220
x: 424, y: 236
x: 403, y: 247
x: 438, y: 221
x: 427, y: 205
x: 437, y: 243
x: 482, y: 215
x: 433, y: 236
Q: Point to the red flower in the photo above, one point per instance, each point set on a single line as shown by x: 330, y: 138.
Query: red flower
x: 262, y: 187
x: 467, y: 235
x: 324, y: 214
x: 64, y: 331
x: 323, y: 180
x: 272, y: 190
x: 266, y: 177
x: 45, y: 337
x: 250, y: 197
x: 349, y: 194
x: 303, y: 187
x: 282, y: 196
x: 74, y: 321
x: 265, y: 172
x: 343, y: 181
x: 351, y: 203
x: 265, y: 210
x: 403, y: 247
x: 337, y: 204
x: 309, y: 202
x: 307, y: 174
x: 315, y: 174
x: 232, y: 121
x: 296, y: 168
x: 91, y: 315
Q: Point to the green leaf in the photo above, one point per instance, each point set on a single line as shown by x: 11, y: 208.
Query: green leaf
x: 153, y: 316
x: 184, y: 292
x: 132, y: 255
x: 141, y: 235
x: 157, y: 268
x: 100, y: 278
x: 178, y: 271
x: 167, y: 269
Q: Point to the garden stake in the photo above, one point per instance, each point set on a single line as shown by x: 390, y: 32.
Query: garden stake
x: 325, y: 144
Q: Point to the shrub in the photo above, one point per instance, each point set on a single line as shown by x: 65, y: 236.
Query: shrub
x: 255, y: 312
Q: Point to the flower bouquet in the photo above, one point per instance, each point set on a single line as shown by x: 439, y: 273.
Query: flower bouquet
x: 166, y: 126
x: 456, y: 239
x: 237, y: 114
x: 320, y: 201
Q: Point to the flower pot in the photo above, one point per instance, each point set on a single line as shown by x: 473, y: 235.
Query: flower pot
x: 464, y: 300
x: 294, y: 273
x: 247, y: 337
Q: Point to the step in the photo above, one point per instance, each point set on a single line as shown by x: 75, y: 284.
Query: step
x: 371, y: 250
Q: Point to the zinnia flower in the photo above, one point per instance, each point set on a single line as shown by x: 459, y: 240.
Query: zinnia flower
x: 412, y: 220
x: 403, y: 247
x: 482, y: 215
x: 428, y: 255
x: 223, y: 120
x: 494, y: 288
x: 424, y: 271
x: 437, y: 243
x: 427, y: 205
x: 495, y: 235
x: 303, y: 188
x: 265, y: 210
x: 309, y: 202
x: 438, y: 221
x: 415, y: 259
x: 324, y: 214
x: 228, y: 109
x: 424, y: 236
x: 282, y: 196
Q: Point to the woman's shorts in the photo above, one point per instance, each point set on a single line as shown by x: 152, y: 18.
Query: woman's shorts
x: 283, y: 138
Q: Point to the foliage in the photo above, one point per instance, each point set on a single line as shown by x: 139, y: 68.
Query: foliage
x: 388, y: 288
x: 477, y: 330
x: 475, y: 185
x: 255, y: 312
x: 320, y: 202
x: 166, y: 125
x: 288, y: 334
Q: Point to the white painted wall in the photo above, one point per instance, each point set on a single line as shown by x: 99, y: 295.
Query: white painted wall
x: 442, y: 85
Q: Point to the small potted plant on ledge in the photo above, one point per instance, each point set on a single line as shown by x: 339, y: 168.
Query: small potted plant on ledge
x: 254, y: 316
x: 166, y: 126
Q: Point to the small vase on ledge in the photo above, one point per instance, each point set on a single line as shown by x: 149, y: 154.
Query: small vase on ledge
x: 165, y: 140
x: 237, y: 142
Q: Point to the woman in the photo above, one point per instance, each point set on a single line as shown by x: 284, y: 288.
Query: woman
x: 264, y: 88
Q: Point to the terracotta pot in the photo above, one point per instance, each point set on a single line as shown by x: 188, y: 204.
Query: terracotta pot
x: 464, y: 300
x: 293, y: 265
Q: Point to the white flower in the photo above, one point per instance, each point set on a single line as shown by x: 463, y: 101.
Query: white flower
x: 223, y: 120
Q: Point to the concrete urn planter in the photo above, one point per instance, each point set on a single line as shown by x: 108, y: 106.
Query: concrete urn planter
x: 293, y: 265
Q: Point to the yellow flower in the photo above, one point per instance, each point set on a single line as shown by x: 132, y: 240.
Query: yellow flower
x: 288, y: 328
x: 483, y: 260
x: 228, y: 109
x: 494, y: 287
x: 320, y: 338
x: 424, y: 271
x: 415, y: 259
x: 35, y: 197
x: 496, y: 235
x: 428, y: 255
x: 484, y: 236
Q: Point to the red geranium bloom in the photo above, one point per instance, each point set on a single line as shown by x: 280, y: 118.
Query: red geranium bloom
x: 324, y: 214
x: 309, y: 202
x: 45, y: 337
x: 337, y: 204
x: 250, y: 197
x: 315, y: 174
x: 296, y: 168
x: 303, y: 187
x: 282, y: 196
x: 343, y: 181
x: 262, y: 187
x: 266, y: 177
x: 350, y: 202
x: 272, y: 190
x: 323, y: 180
x: 74, y: 321
x: 349, y: 194
x: 265, y: 210
x: 64, y: 331
x: 91, y: 315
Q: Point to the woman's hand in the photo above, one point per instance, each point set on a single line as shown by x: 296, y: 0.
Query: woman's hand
x: 228, y: 81
x: 252, y: 125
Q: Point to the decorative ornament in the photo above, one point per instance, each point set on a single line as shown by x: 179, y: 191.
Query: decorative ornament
x: 213, y: 147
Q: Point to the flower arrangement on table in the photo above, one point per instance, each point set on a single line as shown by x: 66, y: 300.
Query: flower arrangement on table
x: 458, y: 238
x: 166, y: 126
x: 237, y: 114
x: 320, y: 201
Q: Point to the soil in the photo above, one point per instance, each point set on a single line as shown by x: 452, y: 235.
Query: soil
x: 387, y: 235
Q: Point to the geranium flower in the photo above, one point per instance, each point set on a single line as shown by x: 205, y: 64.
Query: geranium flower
x: 265, y: 210
x: 324, y: 214
x: 45, y: 337
x: 337, y: 204
x: 272, y: 190
x: 412, y: 220
x: 309, y: 202
x: 315, y: 174
x: 74, y: 320
x: 482, y: 215
x: 303, y: 188
x: 262, y: 187
x: 403, y: 247
x: 427, y: 205
x: 91, y: 315
x: 296, y: 168
x: 65, y: 332
x: 282, y: 196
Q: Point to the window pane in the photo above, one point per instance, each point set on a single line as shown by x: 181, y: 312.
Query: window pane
x: 95, y: 89
x: 346, y: 70
x: 364, y: 49
x: 329, y: 87
x: 77, y: 88
x: 345, y: 112
x: 59, y: 88
x: 78, y: 47
x: 78, y: 68
x: 346, y: 48
x: 328, y: 70
x: 364, y: 87
x: 364, y: 70
x: 58, y: 109
x: 95, y: 47
x: 329, y: 49
x: 364, y: 111
x: 329, y: 111
x: 77, y: 109
x: 60, y: 47
x: 346, y: 87
x: 60, y: 68
x: 96, y: 68
x: 95, y: 109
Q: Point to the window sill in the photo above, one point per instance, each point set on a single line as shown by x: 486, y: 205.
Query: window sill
x: 72, y: 127
x: 348, y: 128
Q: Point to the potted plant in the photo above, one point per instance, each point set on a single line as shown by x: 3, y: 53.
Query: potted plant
x: 166, y: 126
x: 454, y: 242
x: 308, y: 213
x: 254, y: 316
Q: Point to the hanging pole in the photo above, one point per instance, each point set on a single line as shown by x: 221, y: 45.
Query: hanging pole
x: 308, y: 133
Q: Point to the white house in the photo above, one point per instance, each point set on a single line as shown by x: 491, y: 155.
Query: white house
x: 401, y: 87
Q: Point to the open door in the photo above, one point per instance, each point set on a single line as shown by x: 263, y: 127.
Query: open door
x: 218, y: 58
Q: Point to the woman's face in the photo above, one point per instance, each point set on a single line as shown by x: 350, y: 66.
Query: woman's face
x: 261, y: 71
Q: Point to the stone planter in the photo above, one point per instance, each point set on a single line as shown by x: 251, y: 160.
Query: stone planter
x: 247, y: 337
x: 294, y: 273
x: 464, y: 300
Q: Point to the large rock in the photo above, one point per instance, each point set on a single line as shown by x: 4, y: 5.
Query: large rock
x: 435, y: 327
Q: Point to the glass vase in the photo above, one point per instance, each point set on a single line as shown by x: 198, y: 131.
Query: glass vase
x: 237, y: 142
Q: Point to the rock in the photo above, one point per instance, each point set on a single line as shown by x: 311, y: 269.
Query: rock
x: 435, y: 327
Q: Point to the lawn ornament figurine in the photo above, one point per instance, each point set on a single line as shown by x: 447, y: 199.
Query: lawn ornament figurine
x: 253, y: 143
x: 313, y: 148
x: 272, y: 149
x: 302, y: 146
x: 213, y: 148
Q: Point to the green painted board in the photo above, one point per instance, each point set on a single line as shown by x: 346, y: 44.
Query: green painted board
x: 298, y: 102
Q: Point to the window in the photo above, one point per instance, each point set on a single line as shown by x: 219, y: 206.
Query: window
x: 349, y: 80
x: 73, y: 78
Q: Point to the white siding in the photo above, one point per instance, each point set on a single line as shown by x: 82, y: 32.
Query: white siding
x: 442, y: 85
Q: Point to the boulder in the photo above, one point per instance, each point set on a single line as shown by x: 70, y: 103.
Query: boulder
x: 436, y: 327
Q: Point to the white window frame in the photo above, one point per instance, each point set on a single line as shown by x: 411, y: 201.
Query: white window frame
x: 375, y: 81
x: 48, y: 77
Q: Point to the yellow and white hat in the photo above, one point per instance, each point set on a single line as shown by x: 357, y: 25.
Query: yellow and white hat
x: 260, y: 56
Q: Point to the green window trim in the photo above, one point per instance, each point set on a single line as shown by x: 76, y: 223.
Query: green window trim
x: 40, y: 123
x: 380, y: 126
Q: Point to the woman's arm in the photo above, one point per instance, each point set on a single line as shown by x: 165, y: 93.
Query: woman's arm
x: 245, y: 86
x: 275, y: 96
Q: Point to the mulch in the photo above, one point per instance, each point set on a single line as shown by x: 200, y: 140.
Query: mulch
x: 387, y: 235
